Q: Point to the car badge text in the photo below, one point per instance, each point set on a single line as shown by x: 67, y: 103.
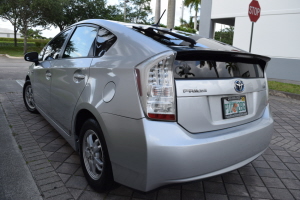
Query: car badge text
x: 194, y: 90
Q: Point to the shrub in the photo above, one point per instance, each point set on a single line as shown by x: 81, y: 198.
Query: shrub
x: 40, y: 44
x: 22, y: 40
x: 11, y: 44
x: 190, y: 30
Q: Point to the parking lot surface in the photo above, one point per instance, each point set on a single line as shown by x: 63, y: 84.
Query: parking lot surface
x: 56, y: 170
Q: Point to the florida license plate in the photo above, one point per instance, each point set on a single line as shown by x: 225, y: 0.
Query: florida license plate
x: 234, y: 106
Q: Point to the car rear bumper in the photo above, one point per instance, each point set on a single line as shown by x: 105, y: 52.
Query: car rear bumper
x: 174, y: 155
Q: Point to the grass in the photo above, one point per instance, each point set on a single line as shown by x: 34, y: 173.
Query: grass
x: 18, y: 51
x: 285, y: 87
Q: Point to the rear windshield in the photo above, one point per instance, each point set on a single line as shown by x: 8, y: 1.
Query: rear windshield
x: 167, y: 38
x: 214, y: 69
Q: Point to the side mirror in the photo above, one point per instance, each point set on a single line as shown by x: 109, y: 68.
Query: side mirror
x: 32, y: 57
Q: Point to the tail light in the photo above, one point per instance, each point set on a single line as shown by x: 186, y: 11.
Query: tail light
x: 155, y: 84
x: 267, y: 89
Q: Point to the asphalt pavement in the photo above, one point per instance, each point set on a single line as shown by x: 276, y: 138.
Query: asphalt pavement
x: 37, y: 163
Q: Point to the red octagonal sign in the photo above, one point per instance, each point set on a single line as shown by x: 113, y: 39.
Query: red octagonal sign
x: 254, y: 11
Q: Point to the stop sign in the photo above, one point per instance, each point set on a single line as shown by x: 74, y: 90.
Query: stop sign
x: 254, y: 11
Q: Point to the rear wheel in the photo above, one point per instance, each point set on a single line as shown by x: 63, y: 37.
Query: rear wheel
x: 94, y: 157
x: 28, y: 97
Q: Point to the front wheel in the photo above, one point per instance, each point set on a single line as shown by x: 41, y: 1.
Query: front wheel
x: 94, y: 157
x: 28, y: 97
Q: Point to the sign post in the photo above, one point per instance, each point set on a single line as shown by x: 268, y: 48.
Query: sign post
x: 254, y: 14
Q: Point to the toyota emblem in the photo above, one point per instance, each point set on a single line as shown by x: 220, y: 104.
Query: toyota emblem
x: 239, y: 86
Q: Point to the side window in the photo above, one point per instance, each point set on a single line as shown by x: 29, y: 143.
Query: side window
x: 81, y: 42
x: 105, y: 39
x: 41, y: 54
x: 53, y: 49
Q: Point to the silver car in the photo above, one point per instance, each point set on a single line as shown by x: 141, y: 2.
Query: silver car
x: 147, y: 106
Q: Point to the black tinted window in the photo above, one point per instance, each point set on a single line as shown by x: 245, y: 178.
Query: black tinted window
x: 215, y: 69
x: 81, y: 42
x: 165, y: 38
x: 105, y: 39
x: 53, y: 49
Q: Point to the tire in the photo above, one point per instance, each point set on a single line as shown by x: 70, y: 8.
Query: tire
x: 28, y: 97
x: 95, y: 161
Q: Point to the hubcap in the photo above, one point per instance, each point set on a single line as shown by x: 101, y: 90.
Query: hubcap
x: 92, y: 154
x: 29, y: 97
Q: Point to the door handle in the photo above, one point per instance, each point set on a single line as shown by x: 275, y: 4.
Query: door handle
x: 48, y: 74
x: 79, y: 76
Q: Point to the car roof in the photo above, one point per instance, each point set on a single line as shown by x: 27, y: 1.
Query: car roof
x: 206, y: 44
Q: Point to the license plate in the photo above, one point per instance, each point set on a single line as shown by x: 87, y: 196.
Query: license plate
x: 235, y: 106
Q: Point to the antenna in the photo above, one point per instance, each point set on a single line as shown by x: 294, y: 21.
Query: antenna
x: 157, y: 24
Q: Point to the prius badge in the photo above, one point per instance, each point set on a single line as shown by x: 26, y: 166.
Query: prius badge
x: 194, y: 90
x: 239, y: 86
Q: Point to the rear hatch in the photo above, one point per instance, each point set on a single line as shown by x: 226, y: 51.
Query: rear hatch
x: 219, y: 89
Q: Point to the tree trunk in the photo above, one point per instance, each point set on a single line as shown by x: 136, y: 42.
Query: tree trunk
x: 195, y: 19
x: 15, y: 35
x: 25, y: 38
x: 61, y: 28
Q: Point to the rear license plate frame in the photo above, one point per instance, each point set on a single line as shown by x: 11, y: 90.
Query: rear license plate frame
x: 234, y: 99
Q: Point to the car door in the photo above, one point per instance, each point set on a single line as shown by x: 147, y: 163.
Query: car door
x: 42, y: 72
x: 70, y: 74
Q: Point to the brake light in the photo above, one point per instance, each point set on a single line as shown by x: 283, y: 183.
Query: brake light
x: 156, y: 86
x: 267, y: 89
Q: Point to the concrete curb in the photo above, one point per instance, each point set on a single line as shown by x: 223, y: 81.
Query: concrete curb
x: 8, y: 56
x: 284, y: 94
x: 13, y: 56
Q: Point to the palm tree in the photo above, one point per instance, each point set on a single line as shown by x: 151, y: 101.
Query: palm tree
x: 193, y: 4
x: 187, y: 24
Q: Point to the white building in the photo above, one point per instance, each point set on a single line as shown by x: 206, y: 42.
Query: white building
x: 7, y: 33
x: 276, y: 33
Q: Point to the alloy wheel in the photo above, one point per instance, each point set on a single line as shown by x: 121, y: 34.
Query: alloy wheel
x: 29, y: 97
x: 92, y: 154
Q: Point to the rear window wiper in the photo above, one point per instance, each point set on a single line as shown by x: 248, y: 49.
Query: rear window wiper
x: 151, y: 32
x: 187, y: 39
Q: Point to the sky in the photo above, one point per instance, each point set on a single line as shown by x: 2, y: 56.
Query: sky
x: 164, y: 3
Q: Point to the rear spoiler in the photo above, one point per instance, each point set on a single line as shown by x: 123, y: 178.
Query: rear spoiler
x: 223, y: 56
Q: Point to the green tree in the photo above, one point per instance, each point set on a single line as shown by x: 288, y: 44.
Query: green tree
x: 63, y: 13
x: 9, y: 10
x: 137, y: 11
x: 225, y: 35
x: 34, y: 34
x: 57, y: 13
x: 196, y: 5
x: 30, y: 16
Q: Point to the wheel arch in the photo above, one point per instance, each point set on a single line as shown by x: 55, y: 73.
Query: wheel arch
x: 83, y: 113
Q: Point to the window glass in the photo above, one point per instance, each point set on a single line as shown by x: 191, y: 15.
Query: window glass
x: 41, y: 54
x: 105, y: 39
x: 215, y: 69
x: 53, y: 49
x: 165, y: 38
x: 81, y: 42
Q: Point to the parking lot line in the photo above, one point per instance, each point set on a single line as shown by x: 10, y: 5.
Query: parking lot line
x: 20, y: 82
